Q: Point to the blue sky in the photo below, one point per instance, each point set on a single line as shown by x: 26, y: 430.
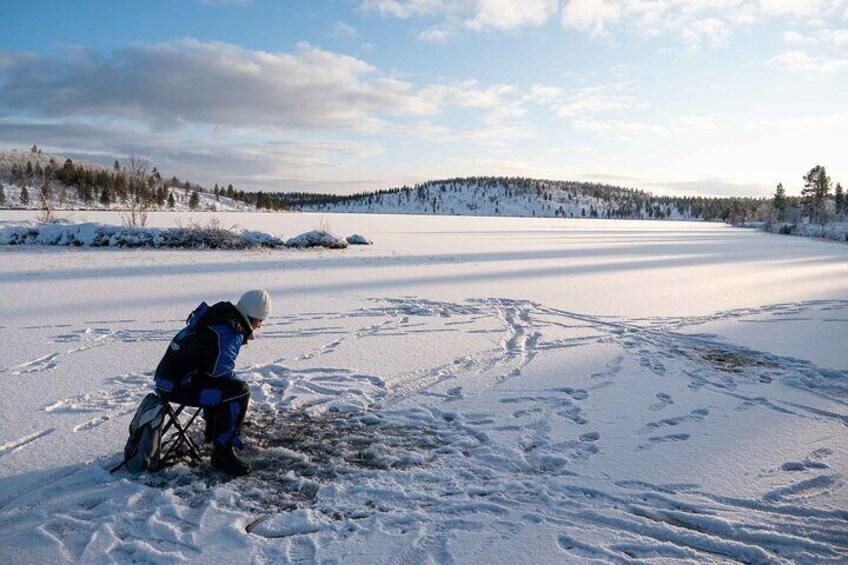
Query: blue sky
x: 708, y: 97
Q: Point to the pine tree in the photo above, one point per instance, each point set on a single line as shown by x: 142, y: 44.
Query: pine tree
x: 814, y: 195
x: 2, y: 194
x: 104, y: 197
x: 171, y: 202
x: 779, y: 201
x: 194, y: 201
x: 24, y: 196
x: 839, y: 200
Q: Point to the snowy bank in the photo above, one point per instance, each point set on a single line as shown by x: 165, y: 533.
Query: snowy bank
x: 836, y: 231
x: 102, y: 235
x: 192, y: 237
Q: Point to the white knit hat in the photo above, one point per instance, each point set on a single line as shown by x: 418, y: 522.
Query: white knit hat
x: 255, y: 304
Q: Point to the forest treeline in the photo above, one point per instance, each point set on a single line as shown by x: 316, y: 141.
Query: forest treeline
x: 136, y: 186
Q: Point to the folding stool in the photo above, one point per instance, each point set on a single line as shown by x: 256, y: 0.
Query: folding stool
x: 179, y: 444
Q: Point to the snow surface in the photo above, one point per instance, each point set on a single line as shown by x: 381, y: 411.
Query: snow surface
x: 469, y: 390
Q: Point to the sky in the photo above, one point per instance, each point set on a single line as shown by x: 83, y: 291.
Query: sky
x: 706, y: 97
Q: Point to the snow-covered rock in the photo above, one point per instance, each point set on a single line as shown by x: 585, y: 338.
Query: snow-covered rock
x: 317, y: 238
x: 357, y: 239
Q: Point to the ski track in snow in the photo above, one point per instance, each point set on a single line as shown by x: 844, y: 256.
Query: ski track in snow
x: 345, y: 447
x: 15, y: 445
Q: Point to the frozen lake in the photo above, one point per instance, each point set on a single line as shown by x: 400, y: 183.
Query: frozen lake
x: 466, y: 390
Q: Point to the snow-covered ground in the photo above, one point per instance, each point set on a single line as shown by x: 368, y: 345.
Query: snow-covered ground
x: 467, y: 390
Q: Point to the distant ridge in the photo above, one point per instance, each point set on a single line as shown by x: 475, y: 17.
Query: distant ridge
x: 29, y: 178
x: 526, y: 197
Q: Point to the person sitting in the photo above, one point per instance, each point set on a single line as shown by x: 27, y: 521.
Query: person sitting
x: 197, y: 370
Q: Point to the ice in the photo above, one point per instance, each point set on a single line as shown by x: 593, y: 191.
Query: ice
x: 465, y: 390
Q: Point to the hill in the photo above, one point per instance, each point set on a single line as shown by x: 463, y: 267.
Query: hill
x: 515, y: 196
x: 40, y: 181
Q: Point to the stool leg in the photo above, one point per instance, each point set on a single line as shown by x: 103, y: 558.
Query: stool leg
x: 184, y: 433
x: 180, y: 436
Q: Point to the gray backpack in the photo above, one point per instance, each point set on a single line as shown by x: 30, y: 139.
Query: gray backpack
x: 143, y: 446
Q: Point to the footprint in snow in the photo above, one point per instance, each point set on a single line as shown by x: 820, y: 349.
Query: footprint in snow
x: 38, y: 365
x: 813, y: 461
x: 575, y: 393
x: 612, y: 368
x: 663, y: 400
x: 693, y: 416
x: 658, y: 440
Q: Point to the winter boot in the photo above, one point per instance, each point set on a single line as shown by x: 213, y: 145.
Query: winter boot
x: 225, y: 460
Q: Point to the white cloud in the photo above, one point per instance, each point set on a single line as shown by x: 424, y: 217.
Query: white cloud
x: 794, y: 37
x: 188, y: 81
x: 341, y: 29
x: 468, y: 94
x: 623, y: 129
x: 182, y: 87
x: 840, y: 38
x: 435, y: 35
x: 587, y: 101
x: 802, y: 8
x: 407, y: 8
x: 802, y: 62
x: 275, y: 163
x: 475, y: 15
x: 541, y: 94
x: 710, y: 31
x: 509, y: 15
x: 695, y: 22
x: 596, y: 17
x: 824, y: 36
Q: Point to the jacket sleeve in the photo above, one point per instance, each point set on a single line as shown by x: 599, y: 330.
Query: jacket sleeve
x: 222, y: 348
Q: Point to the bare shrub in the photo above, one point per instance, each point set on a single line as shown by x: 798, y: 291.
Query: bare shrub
x: 45, y: 198
x: 136, y: 175
x: 324, y: 225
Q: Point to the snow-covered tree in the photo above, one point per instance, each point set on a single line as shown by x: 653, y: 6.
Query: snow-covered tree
x: 814, y: 196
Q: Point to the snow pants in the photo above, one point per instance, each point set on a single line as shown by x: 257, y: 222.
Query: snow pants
x: 224, y: 403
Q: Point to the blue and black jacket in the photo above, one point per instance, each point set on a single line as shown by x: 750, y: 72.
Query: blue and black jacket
x: 207, y: 346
